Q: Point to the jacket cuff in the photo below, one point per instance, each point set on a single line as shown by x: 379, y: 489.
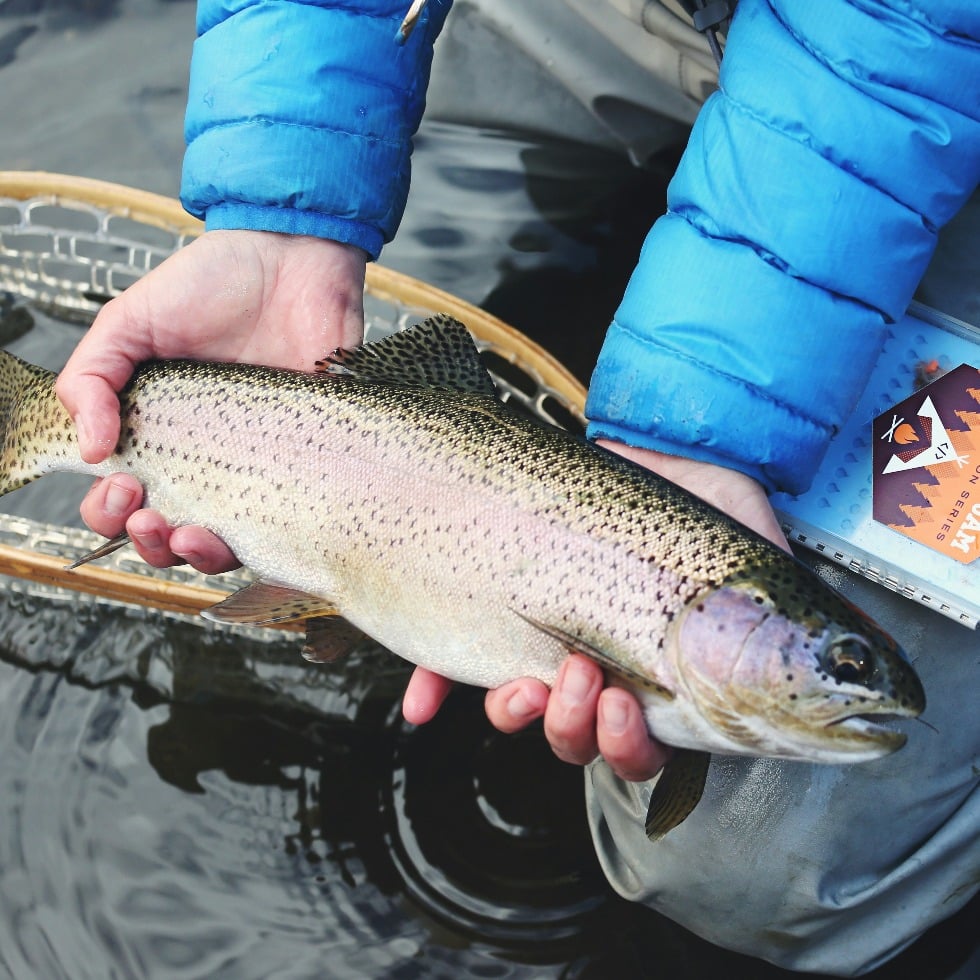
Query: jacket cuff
x: 289, y: 221
x: 729, y: 370
x: 308, y: 107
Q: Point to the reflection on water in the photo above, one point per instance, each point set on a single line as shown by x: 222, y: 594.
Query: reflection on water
x: 181, y: 802
x: 177, y: 801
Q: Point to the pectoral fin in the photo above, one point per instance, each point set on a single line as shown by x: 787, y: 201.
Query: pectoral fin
x: 113, y: 544
x: 576, y: 644
x: 678, y: 790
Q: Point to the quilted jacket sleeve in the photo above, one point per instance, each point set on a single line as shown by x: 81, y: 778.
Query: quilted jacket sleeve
x: 301, y: 114
x: 801, y: 218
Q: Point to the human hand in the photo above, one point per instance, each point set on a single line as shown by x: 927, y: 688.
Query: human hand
x: 582, y: 718
x: 248, y: 296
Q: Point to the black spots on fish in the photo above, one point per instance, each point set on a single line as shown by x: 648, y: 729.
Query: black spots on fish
x: 791, y: 591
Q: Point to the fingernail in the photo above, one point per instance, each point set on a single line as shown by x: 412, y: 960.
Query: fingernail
x: 188, y: 554
x: 118, y: 500
x: 152, y: 541
x: 518, y: 707
x: 614, y: 715
x: 576, y: 682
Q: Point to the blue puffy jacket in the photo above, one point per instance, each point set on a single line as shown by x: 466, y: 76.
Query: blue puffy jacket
x: 804, y: 212
x: 301, y: 113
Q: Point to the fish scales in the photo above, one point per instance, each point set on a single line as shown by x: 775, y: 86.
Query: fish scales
x: 394, y: 490
x: 370, y: 472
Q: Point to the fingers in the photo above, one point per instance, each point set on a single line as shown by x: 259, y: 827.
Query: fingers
x: 99, y: 367
x: 583, y: 719
x: 513, y: 706
x: 150, y: 536
x: 114, y: 505
x: 570, y: 718
x: 624, y: 741
x: 162, y: 546
x: 424, y: 696
x: 203, y: 550
x: 110, y: 503
x: 93, y: 405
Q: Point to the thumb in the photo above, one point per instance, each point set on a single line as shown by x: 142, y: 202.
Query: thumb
x: 99, y: 367
x: 94, y: 407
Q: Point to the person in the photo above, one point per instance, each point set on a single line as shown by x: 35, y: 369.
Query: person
x: 803, y: 214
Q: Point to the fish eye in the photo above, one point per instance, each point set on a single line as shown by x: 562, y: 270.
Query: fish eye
x: 849, y: 660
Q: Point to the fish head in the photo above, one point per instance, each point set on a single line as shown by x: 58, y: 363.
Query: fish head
x: 779, y: 664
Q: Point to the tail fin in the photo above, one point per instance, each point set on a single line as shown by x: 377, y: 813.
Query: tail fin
x: 34, y: 427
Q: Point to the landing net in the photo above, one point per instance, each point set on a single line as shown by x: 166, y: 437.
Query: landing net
x: 70, y: 244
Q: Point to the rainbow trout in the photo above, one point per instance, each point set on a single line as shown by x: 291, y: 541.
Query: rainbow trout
x: 392, y: 494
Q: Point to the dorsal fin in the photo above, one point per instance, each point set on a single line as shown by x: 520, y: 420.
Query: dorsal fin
x: 438, y: 353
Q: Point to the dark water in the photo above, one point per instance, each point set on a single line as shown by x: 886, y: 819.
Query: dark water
x: 181, y: 802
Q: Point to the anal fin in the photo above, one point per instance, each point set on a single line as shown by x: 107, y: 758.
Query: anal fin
x: 677, y: 792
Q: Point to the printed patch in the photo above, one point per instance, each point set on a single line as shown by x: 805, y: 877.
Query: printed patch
x: 926, y: 476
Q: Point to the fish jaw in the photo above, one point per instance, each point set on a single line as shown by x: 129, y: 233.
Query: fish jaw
x: 790, y: 679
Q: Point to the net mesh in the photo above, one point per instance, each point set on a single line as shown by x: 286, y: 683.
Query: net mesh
x: 68, y: 256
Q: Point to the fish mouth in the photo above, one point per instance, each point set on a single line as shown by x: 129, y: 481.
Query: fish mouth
x: 865, y: 733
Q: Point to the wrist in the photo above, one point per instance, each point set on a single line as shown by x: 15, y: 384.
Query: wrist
x: 730, y: 491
